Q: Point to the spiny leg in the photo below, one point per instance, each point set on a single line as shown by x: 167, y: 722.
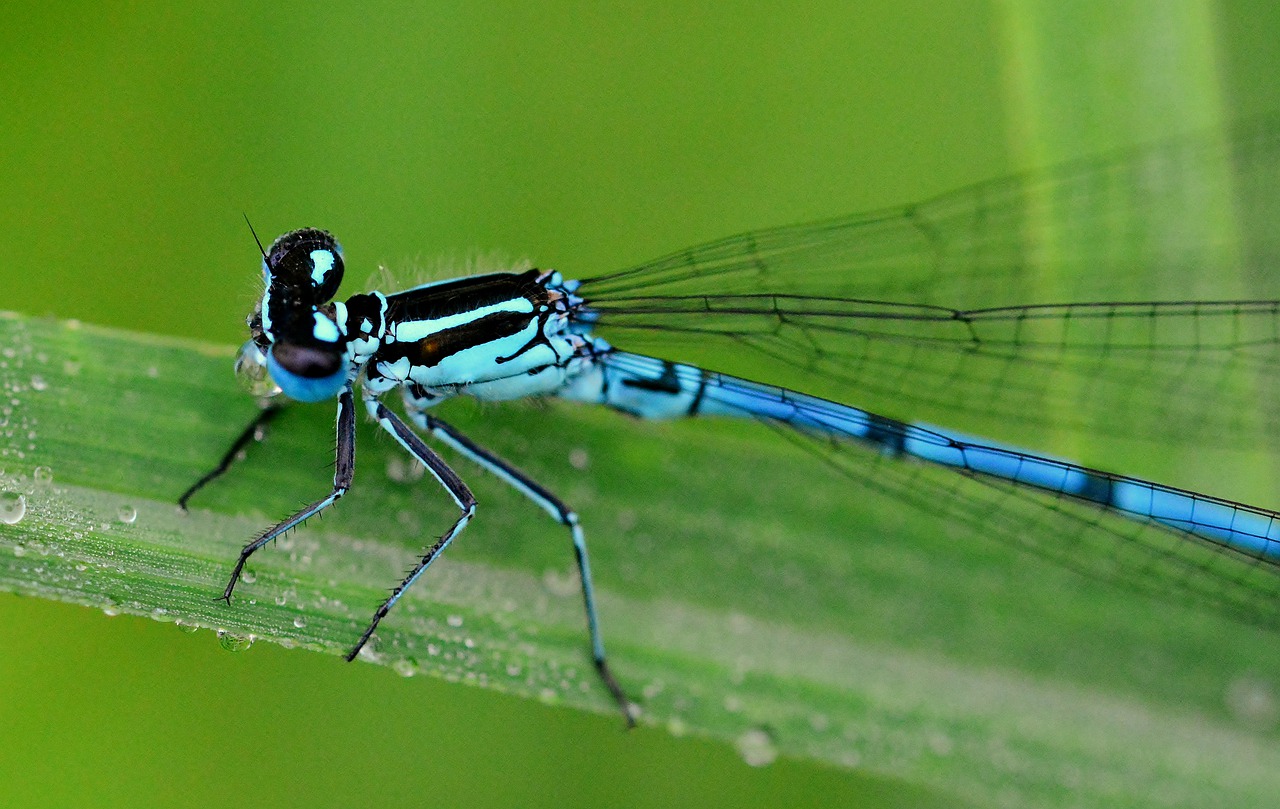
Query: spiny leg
x: 562, y: 514
x: 250, y: 433
x: 447, y: 478
x: 344, y: 471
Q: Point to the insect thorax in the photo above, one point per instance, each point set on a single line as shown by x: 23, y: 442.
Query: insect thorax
x: 497, y: 336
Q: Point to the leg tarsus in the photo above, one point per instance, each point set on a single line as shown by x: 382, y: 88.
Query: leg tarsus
x: 378, y: 615
x: 629, y: 708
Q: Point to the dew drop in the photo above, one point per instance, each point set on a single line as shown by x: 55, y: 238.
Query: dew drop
x: 757, y: 748
x: 560, y: 583
x: 405, y: 667
x: 13, y: 507
x: 248, y: 576
x: 38, y: 383
x: 850, y: 760
x: 1252, y: 701
x: 42, y: 475
x: 183, y: 626
x: 578, y: 458
x: 127, y: 514
x: 233, y: 642
x: 19, y: 550
x: 251, y: 371
x: 299, y: 622
x: 454, y: 620
x: 626, y: 519
x: 940, y: 743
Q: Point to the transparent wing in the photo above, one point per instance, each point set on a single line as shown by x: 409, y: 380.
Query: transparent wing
x: 1131, y: 296
x: 1187, y: 213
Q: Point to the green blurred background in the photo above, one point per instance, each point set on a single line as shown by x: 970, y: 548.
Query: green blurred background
x: 584, y: 136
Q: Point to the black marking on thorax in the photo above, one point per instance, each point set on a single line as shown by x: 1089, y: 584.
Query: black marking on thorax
x: 362, y: 308
x: 462, y: 296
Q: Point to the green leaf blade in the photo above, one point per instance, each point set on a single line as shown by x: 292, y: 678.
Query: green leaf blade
x: 739, y: 607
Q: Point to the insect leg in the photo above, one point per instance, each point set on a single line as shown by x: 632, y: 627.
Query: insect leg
x: 251, y: 433
x: 557, y: 509
x: 344, y: 471
x: 447, y: 478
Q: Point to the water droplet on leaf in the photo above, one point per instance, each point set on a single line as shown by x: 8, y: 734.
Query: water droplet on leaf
x: 757, y: 748
x: 13, y: 507
x: 233, y: 642
x: 405, y: 667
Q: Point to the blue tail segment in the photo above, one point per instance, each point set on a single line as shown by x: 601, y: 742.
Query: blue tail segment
x: 656, y: 389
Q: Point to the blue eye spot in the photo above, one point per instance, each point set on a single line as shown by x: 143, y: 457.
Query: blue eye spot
x: 322, y: 262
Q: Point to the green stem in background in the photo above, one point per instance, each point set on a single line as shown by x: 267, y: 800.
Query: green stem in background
x: 1083, y: 79
x: 770, y: 617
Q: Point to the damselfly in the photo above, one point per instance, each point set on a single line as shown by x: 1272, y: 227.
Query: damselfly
x: 859, y: 324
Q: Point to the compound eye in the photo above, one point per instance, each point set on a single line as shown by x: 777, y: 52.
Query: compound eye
x: 306, y: 258
x: 307, y: 373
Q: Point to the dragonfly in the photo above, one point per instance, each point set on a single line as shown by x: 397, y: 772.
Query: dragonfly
x: 876, y: 342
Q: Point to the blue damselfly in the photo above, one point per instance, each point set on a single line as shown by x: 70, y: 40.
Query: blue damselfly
x: 1129, y: 296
